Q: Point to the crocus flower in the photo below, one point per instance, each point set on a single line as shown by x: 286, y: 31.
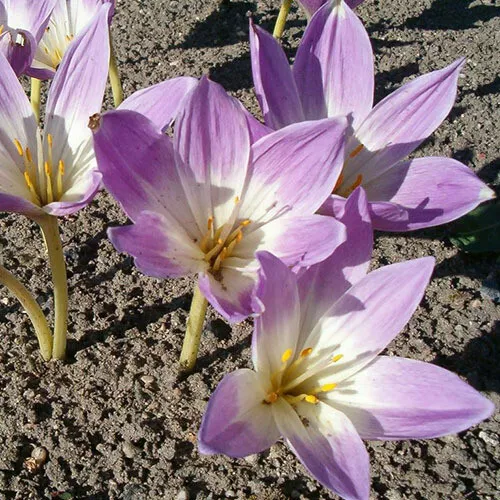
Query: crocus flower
x: 68, y: 19
x: 318, y: 379
x: 205, y: 202
x: 22, y: 25
x: 54, y: 172
x: 311, y: 6
x: 333, y: 75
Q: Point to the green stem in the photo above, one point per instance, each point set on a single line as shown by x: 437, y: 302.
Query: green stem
x: 50, y: 230
x: 281, y: 21
x: 193, y: 331
x: 36, y: 87
x: 114, y: 76
x: 32, y: 308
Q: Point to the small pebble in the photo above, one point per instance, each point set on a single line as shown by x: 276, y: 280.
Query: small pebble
x: 182, y: 495
x: 147, y: 380
x: 129, y: 450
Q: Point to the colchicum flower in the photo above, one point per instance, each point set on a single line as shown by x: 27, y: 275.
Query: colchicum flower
x: 54, y: 173
x: 22, y: 25
x: 333, y: 75
x: 68, y: 19
x: 205, y: 202
x: 318, y: 380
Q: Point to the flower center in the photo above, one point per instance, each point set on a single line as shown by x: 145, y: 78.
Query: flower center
x: 45, y: 185
x: 339, y: 187
x: 286, y: 382
x: 52, y: 46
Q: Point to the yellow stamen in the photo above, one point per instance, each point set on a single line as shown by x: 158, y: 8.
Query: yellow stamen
x: 245, y: 222
x: 1, y: 29
x: 286, y: 355
x: 31, y: 187
x: 18, y: 147
x: 328, y: 387
x: 60, y: 173
x: 48, y: 174
x: 236, y: 200
x: 356, y: 183
x: 271, y: 398
x: 210, y: 223
x: 28, y: 155
x: 338, y: 357
x: 306, y: 352
x: 219, y: 259
x: 310, y: 398
x: 356, y: 151
x: 338, y: 183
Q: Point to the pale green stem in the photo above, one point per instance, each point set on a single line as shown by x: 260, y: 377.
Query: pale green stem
x: 114, y: 76
x: 194, y: 329
x: 50, y: 230
x: 281, y: 21
x: 36, y: 87
x: 32, y: 308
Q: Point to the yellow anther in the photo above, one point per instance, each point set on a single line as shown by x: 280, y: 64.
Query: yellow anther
x: 210, y: 223
x: 31, y: 187
x: 28, y: 155
x: 239, y: 237
x: 49, y: 140
x: 310, y: 398
x: 219, y: 242
x: 48, y: 170
x: 219, y: 259
x: 286, y: 355
x: 306, y: 352
x: 18, y: 147
x: 60, y: 173
x: 48, y: 173
x: 338, y: 183
x: 1, y: 29
x: 271, y: 398
x: 328, y: 387
x: 245, y: 222
x: 61, y: 167
x: 236, y: 200
x: 338, y: 357
x: 356, y: 151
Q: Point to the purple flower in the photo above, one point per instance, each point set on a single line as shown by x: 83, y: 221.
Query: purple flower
x: 54, y: 172
x: 333, y: 75
x: 311, y: 6
x: 318, y: 380
x: 22, y: 25
x: 68, y: 19
x: 205, y: 202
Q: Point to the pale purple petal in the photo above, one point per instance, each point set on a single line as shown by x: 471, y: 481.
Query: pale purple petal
x: 327, y: 444
x: 432, y: 190
x: 29, y: 15
x: 161, y: 102
x: 397, y: 398
x: 18, y: 204
x: 365, y: 319
x: 18, y: 46
x: 237, y: 422
x: 256, y: 129
x: 400, y: 122
x: 229, y: 292
x: 273, y: 80
x: 160, y: 247
x: 213, y: 144
x: 294, y: 169
x: 276, y: 329
x: 322, y: 285
x: 334, y: 66
x: 138, y: 166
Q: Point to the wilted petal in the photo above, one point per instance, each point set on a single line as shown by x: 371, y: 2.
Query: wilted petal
x: 277, y: 328
x: 213, y: 143
x: 396, y: 398
x: 400, y: 122
x: 432, y: 191
x: 322, y: 285
x: 160, y: 247
x: 334, y: 66
x: 237, y: 422
x: 273, y: 80
x: 294, y: 169
x: 365, y: 319
x: 161, y: 102
x: 327, y: 444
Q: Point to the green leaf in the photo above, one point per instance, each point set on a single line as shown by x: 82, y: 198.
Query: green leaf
x: 478, y: 231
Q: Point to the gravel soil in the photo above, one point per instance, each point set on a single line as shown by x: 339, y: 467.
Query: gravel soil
x: 115, y: 419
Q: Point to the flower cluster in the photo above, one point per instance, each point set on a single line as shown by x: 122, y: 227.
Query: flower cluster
x: 275, y: 219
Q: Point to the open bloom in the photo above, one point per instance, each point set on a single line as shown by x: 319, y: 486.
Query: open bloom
x: 54, y: 173
x: 333, y: 75
x: 22, y: 25
x: 68, y: 19
x: 205, y: 202
x: 318, y: 380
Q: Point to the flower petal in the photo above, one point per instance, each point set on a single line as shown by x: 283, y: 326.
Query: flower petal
x: 30, y: 16
x: 18, y: 204
x: 276, y: 329
x: 273, y: 80
x: 237, y: 422
x: 18, y: 46
x: 161, y: 102
x: 323, y: 284
x: 432, y: 191
x: 230, y: 292
x: 327, y: 444
x: 138, y: 166
x: 294, y: 169
x: 334, y: 66
x: 397, y: 398
x: 160, y: 247
x: 401, y: 121
x: 366, y: 318
x: 213, y: 143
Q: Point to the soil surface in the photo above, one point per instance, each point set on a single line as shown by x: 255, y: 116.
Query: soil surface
x: 115, y: 420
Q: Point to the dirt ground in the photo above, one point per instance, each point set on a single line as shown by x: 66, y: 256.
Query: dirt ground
x: 115, y: 420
